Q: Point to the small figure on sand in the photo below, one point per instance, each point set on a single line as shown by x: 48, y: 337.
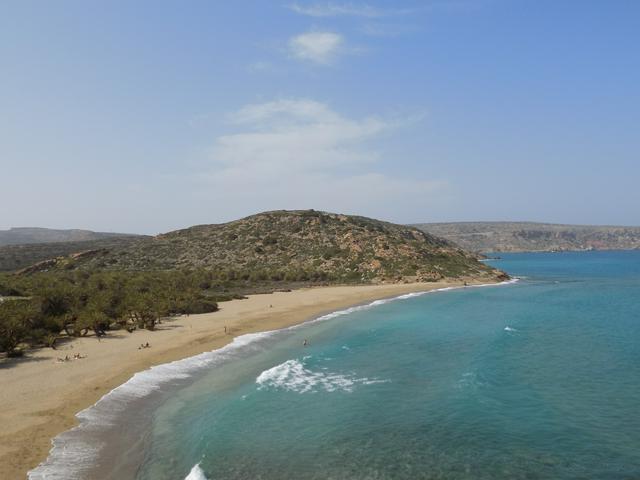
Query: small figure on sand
x: 144, y: 345
x: 225, y: 329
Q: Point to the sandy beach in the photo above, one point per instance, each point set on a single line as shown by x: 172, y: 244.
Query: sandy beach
x: 40, y: 395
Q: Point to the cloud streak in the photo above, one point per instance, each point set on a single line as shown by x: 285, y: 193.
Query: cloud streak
x: 299, y: 153
x: 317, y: 47
x: 330, y: 9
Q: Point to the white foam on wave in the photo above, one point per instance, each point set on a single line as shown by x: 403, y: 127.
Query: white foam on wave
x: 509, y: 329
x: 196, y: 473
x: 469, y: 380
x: 70, y: 455
x: 294, y: 376
x: 511, y: 281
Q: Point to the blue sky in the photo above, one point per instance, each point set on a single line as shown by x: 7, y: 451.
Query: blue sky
x: 152, y: 115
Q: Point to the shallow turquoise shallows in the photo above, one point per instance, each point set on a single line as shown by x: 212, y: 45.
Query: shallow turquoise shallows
x: 538, y: 379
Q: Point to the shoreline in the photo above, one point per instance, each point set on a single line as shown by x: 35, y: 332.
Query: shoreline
x: 41, y: 397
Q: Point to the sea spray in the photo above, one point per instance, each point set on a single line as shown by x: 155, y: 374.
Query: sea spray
x: 294, y: 376
x: 196, y: 473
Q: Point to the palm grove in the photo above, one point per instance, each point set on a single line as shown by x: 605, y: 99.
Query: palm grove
x: 38, y: 309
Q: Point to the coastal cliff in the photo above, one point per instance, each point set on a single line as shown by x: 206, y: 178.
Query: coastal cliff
x: 534, y: 237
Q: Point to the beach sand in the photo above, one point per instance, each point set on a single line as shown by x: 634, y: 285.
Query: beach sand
x: 40, y: 396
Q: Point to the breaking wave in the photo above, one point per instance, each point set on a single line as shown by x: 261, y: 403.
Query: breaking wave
x: 196, y: 473
x: 71, y: 456
x: 294, y: 376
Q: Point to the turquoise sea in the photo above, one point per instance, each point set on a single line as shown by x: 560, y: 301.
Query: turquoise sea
x: 538, y: 379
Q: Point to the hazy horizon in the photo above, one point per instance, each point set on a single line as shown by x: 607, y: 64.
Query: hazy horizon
x: 146, y: 117
x: 408, y: 223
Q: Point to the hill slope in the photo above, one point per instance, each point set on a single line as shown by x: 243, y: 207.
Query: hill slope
x: 14, y: 257
x: 532, y: 237
x: 29, y: 235
x: 295, y: 245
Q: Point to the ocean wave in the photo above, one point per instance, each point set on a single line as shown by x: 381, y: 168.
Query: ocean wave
x: 511, y: 281
x: 70, y: 456
x: 509, y: 329
x: 294, y: 376
x: 469, y: 380
x: 196, y: 473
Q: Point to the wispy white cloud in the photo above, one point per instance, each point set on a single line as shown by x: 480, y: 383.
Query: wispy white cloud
x: 295, y: 133
x: 300, y: 153
x: 330, y: 9
x: 317, y: 47
x: 261, y: 66
x: 283, y: 110
x: 377, y: 29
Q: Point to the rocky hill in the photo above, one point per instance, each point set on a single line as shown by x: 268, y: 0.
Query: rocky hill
x: 293, y: 245
x: 534, y: 237
x: 30, y: 235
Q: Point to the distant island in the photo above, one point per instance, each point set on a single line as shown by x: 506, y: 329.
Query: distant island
x: 534, y: 237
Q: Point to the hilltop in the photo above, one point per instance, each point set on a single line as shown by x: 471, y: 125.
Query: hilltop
x: 291, y: 246
x: 533, y: 237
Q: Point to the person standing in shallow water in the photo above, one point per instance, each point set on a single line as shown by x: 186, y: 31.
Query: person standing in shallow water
x: 305, y: 343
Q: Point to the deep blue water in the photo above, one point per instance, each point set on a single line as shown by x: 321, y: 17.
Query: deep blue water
x: 535, y: 380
